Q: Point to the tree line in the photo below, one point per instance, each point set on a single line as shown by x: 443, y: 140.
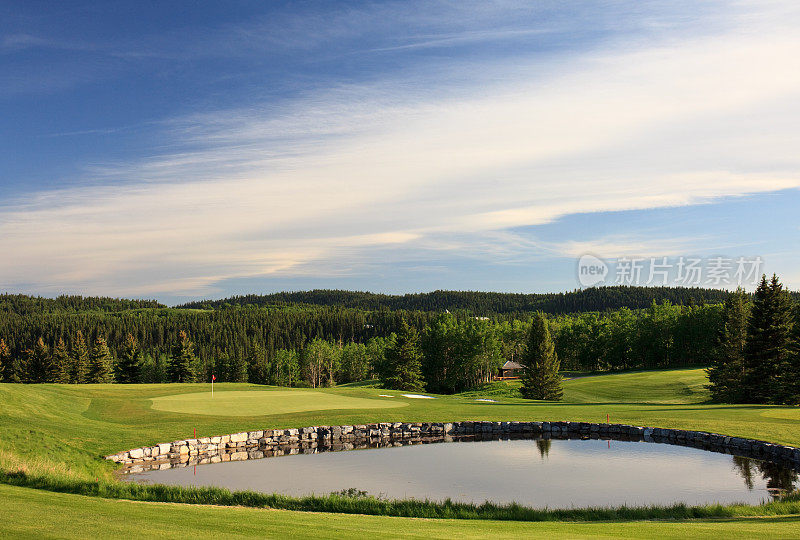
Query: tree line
x: 313, y: 346
x: 479, y: 303
x: 751, y: 339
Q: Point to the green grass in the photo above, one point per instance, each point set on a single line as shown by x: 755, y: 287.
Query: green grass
x: 33, y: 513
x: 56, y: 435
x: 254, y: 402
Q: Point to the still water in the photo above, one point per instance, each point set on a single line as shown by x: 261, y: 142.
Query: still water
x: 539, y: 473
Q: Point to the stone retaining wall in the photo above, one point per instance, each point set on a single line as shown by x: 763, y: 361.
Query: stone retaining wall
x: 275, y: 442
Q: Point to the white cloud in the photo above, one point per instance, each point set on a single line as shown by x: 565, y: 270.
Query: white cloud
x: 316, y: 184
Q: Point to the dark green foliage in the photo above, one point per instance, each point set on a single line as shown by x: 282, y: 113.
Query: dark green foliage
x: 130, y: 357
x: 479, y: 303
x: 305, y: 344
x: 664, y: 335
x: 5, y: 362
x: 727, y: 376
x: 767, y: 352
x: 403, y: 367
x: 60, y: 363
x: 258, y: 365
x: 23, y: 305
x: 540, y: 379
x: 181, y: 367
x: 37, y: 362
x: 320, y: 361
x: 287, y: 367
x: 354, y: 364
x: 792, y: 373
x: 101, y: 365
x: 80, y: 359
x: 459, y: 355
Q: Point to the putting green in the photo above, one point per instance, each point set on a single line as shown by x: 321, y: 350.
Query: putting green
x: 261, y: 403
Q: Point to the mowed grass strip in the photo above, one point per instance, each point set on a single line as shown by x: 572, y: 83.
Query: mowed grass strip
x: 257, y: 403
x: 33, y: 513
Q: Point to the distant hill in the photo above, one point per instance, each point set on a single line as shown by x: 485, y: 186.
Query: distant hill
x: 593, y: 299
x: 23, y: 304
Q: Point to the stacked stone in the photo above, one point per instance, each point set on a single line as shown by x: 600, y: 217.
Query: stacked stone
x: 277, y: 442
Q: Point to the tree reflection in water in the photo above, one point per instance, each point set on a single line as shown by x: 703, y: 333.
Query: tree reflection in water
x: 779, y: 479
x: 544, y: 447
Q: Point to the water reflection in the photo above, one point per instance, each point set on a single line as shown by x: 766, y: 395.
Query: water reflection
x: 543, y: 445
x: 779, y: 479
x: 557, y: 473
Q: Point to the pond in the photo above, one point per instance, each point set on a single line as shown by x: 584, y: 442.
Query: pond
x: 540, y: 473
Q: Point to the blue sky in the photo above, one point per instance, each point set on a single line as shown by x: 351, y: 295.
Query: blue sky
x: 186, y: 150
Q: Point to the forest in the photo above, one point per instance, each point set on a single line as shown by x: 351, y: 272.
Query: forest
x: 81, y: 340
x: 306, y: 343
x: 481, y: 303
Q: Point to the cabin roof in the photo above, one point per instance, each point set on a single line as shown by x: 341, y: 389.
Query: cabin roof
x: 511, y: 365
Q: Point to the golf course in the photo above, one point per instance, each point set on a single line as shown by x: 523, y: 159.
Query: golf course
x: 55, y: 437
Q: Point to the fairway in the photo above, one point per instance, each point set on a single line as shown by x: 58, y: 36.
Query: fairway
x: 264, y: 403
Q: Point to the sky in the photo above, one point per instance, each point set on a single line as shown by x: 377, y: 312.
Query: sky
x: 186, y: 150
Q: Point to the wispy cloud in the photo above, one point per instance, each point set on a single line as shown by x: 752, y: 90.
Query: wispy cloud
x: 332, y: 179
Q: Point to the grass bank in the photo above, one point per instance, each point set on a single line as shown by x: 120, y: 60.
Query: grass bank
x: 33, y: 513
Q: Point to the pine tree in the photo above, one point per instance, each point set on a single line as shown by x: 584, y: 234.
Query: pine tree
x: 101, y: 365
x: 726, y: 376
x: 792, y: 374
x: 181, y: 367
x: 5, y: 362
x: 80, y: 359
x: 258, y: 365
x: 37, y: 361
x: 60, y: 363
x: 13, y: 370
x: 767, y: 352
x: 404, y: 361
x: 129, y: 361
x: 540, y: 378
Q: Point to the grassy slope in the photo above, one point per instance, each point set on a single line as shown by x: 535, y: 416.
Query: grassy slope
x: 28, y: 513
x: 63, y: 431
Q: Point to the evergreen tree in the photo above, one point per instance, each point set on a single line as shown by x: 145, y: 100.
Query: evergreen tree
x: 37, y: 362
x: 540, y: 378
x: 727, y: 376
x: 239, y: 369
x: 129, y: 361
x: 80, y: 359
x: 258, y: 365
x: 101, y: 365
x: 403, y: 361
x: 12, y: 366
x: 60, y: 363
x: 767, y: 351
x: 5, y: 362
x: 792, y: 374
x: 181, y: 368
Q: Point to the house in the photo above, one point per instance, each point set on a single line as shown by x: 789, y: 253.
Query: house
x: 510, y: 370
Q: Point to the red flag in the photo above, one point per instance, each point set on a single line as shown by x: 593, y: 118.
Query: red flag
x: 213, y: 377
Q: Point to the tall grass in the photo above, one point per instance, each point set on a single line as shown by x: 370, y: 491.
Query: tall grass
x: 343, y: 503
